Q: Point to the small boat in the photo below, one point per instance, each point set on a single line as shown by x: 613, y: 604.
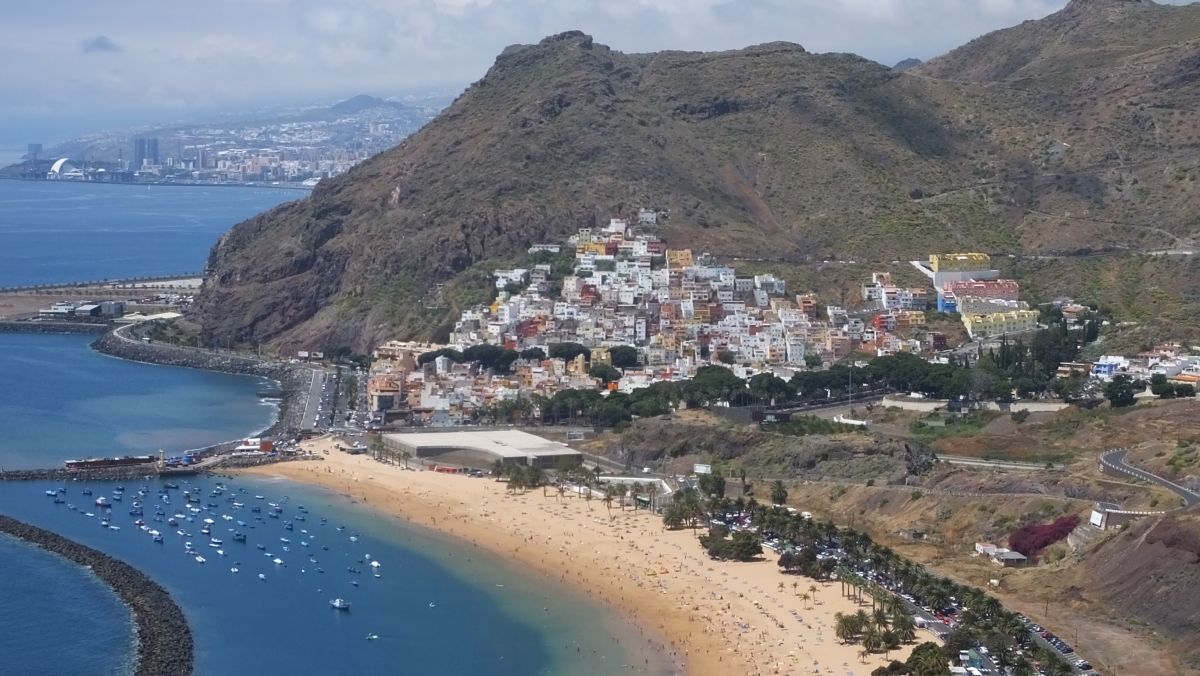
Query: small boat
x: 233, y: 570
x: 200, y: 559
x: 263, y: 547
x: 114, y: 528
x: 277, y: 561
x: 216, y: 541
x: 239, y: 537
x: 52, y: 493
x: 262, y: 576
x: 287, y: 525
x: 372, y: 637
x: 354, y: 538
x: 102, y: 501
x: 432, y: 604
x: 158, y: 538
x: 284, y: 540
x: 259, y: 497
x: 213, y: 545
x: 58, y: 500
x: 340, y: 604
x: 300, y: 517
x: 256, y: 510
x: 220, y: 552
x: 72, y: 507
x: 104, y: 524
x: 170, y: 485
x: 87, y: 491
x: 89, y: 514
x: 354, y: 582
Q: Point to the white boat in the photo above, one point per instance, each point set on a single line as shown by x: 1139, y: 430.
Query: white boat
x: 278, y: 562
x: 114, y: 528
x: 221, y: 552
x: 216, y: 541
x: 340, y: 604
x: 375, y: 564
x: 200, y: 559
x: 261, y: 576
x: 372, y: 637
x: 233, y: 570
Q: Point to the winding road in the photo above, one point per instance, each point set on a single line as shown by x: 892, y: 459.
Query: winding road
x: 1115, y: 459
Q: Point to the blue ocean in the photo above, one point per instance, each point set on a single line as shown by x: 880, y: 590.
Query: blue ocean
x: 52, y: 231
x: 431, y: 606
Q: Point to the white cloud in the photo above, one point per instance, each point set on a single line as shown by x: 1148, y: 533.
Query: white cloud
x: 239, y: 52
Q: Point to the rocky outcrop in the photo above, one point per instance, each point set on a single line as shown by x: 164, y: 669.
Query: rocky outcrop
x: 164, y: 640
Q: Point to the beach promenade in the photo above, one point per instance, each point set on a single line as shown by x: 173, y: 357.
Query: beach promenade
x: 713, y: 617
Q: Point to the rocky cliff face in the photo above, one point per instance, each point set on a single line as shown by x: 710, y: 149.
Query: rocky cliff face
x: 766, y: 152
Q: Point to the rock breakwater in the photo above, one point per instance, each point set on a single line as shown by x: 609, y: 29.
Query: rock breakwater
x: 163, y: 636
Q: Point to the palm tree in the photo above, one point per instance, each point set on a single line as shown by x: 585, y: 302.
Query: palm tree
x: 651, y: 491
x: 863, y: 620
x: 843, y: 627
x: 812, y: 590
x: 904, y: 626
x: 872, y: 639
x: 863, y: 655
x: 805, y: 598
x: 880, y: 619
x: 609, y: 494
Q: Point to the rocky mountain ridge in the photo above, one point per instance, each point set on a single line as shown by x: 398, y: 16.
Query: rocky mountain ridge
x: 769, y: 153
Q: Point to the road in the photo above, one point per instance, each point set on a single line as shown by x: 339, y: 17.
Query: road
x: 313, y: 402
x: 1116, y: 459
x: 997, y: 464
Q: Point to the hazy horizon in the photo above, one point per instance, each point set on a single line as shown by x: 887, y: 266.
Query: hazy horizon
x: 106, y: 66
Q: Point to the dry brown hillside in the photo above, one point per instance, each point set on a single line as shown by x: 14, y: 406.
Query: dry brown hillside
x: 766, y: 152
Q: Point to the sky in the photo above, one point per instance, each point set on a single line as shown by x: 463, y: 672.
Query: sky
x: 91, y: 65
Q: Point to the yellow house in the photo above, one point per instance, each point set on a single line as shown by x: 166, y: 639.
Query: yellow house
x: 601, y: 355
x: 679, y: 258
x: 999, y: 323
x: 955, y: 262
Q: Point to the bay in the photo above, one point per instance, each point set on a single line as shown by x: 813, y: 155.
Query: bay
x: 61, y: 400
x: 439, y: 606
x: 60, y: 231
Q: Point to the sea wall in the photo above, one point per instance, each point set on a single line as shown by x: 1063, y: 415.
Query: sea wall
x: 126, y: 343
x: 163, y: 636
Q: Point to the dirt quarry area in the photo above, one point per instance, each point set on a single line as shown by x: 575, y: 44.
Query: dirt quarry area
x: 24, y: 306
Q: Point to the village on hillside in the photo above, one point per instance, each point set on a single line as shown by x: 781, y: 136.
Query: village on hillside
x: 615, y: 309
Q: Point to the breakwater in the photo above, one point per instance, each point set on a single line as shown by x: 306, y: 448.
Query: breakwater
x: 52, y: 327
x: 63, y: 474
x: 127, y: 342
x: 163, y: 636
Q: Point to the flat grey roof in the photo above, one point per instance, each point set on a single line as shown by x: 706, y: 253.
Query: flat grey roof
x: 502, y: 443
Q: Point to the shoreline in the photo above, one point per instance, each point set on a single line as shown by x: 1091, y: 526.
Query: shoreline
x: 292, y: 379
x: 172, y: 184
x: 710, y: 618
x: 163, y: 636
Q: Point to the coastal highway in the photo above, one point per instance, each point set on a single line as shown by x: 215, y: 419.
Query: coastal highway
x: 312, y: 403
x: 1116, y: 459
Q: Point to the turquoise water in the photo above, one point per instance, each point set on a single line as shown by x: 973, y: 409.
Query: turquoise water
x: 61, y: 400
x: 63, y: 232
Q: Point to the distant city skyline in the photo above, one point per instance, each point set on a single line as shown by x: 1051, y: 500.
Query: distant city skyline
x: 105, y: 65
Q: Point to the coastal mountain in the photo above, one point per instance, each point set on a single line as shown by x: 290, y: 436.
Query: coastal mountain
x: 906, y: 64
x: 769, y: 153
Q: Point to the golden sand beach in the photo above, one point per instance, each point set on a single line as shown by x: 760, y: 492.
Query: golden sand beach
x: 716, y: 617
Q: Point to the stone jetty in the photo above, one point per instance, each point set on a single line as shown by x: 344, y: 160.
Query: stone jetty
x: 164, y: 640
